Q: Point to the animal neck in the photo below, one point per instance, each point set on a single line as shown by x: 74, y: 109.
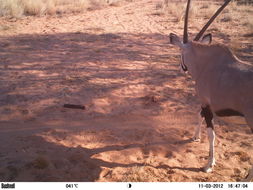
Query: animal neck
x: 205, y: 58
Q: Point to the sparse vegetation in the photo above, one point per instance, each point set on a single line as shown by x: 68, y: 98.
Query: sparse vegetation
x: 201, y: 10
x: 176, y: 9
x: 18, y: 8
x: 245, y: 2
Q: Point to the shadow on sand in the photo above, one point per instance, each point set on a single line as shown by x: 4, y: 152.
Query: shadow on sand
x: 40, y: 73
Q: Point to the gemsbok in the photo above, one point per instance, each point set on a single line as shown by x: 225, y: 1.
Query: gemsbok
x: 223, y: 83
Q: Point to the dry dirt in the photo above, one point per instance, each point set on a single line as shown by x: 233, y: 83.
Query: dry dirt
x: 140, y: 109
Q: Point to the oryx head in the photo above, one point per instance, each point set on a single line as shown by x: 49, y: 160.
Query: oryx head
x: 188, y: 55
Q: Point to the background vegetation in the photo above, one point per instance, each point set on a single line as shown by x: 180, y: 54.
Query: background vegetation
x: 19, y: 8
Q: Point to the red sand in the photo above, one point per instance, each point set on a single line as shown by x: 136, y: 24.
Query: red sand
x: 140, y: 110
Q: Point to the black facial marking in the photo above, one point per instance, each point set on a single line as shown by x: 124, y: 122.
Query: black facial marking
x: 183, y: 65
x: 228, y: 112
x: 208, y: 115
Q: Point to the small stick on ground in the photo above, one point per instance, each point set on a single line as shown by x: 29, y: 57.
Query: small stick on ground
x: 74, y: 106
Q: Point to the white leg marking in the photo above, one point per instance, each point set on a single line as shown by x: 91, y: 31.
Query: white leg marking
x: 211, y: 160
x: 196, y: 137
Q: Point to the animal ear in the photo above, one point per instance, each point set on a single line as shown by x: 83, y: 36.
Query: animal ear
x: 175, y: 40
x: 207, y: 39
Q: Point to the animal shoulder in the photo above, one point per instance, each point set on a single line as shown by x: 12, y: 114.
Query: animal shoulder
x: 217, y: 50
x: 216, y: 46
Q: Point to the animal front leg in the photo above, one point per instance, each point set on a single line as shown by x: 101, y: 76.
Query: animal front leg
x: 208, y: 115
x: 196, y: 137
x: 211, y: 159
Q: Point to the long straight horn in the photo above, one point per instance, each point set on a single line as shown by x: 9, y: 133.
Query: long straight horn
x: 185, y: 39
x: 211, y: 20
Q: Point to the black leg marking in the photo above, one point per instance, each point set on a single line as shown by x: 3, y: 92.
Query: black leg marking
x: 208, y: 115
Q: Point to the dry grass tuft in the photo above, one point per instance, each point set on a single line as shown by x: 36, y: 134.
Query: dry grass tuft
x: 11, y: 7
x: 206, y: 10
x: 33, y: 7
x: 200, y: 11
x: 18, y: 8
x: 176, y: 9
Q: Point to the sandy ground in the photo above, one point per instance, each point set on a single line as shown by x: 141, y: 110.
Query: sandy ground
x: 140, y: 109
